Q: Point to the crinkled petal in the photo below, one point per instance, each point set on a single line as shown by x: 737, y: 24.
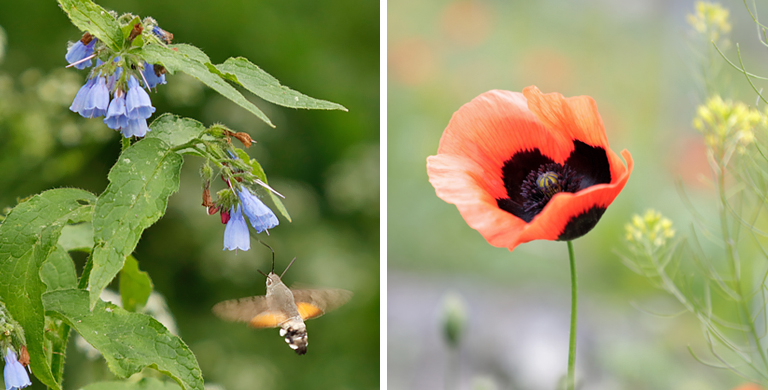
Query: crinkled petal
x: 575, y: 117
x: 236, y: 234
x: 137, y: 102
x: 97, y: 100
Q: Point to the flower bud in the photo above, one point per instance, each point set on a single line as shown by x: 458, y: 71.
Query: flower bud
x: 86, y: 39
x: 244, y: 138
x: 207, y: 200
x: 224, y: 216
x: 453, y: 318
x: 135, y: 32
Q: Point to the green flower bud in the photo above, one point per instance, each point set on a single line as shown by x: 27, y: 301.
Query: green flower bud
x: 453, y: 318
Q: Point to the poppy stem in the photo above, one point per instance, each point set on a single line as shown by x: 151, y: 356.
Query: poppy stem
x: 570, y: 378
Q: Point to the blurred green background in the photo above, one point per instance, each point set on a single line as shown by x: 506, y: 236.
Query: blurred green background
x: 326, y: 163
x: 642, y: 64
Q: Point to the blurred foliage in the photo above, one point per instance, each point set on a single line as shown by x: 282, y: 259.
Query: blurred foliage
x: 325, y: 163
x: 637, y: 60
x: 719, y: 272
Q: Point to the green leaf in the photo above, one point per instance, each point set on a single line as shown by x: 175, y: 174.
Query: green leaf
x: 27, y: 237
x: 143, y: 384
x: 258, y: 171
x: 191, y: 52
x: 269, y: 88
x: 135, y: 285
x: 175, y: 131
x: 90, y: 17
x: 58, y: 270
x: 174, y: 61
x: 141, y: 181
x: 77, y: 237
x: 128, y: 341
x: 126, y: 30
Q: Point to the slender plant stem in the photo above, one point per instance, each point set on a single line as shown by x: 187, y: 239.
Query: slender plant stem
x: 570, y: 381
x: 733, y: 260
x: 126, y: 143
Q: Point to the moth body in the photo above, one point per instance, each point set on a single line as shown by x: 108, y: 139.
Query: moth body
x: 284, y: 308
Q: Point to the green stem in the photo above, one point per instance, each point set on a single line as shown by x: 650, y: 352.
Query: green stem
x: 733, y: 260
x: 126, y: 143
x: 570, y: 381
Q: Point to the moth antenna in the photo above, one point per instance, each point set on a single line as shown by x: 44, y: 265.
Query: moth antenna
x: 289, y: 266
x: 262, y: 272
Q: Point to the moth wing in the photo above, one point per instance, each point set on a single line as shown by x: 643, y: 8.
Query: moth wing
x: 312, y: 303
x: 256, y: 311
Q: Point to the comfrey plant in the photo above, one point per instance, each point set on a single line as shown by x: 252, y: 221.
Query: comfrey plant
x: 719, y: 273
x: 42, y: 298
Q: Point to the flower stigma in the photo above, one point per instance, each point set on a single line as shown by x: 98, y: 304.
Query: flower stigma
x: 549, y: 183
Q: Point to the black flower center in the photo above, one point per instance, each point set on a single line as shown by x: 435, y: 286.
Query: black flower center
x: 543, y: 183
x: 531, y: 179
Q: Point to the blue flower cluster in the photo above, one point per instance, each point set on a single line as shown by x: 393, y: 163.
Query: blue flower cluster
x: 14, y: 374
x: 236, y: 234
x: 130, y: 105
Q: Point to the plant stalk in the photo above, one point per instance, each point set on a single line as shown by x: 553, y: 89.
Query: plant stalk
x: 570, y: 381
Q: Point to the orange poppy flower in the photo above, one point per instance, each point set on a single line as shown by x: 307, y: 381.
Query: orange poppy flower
x: 528, y: 166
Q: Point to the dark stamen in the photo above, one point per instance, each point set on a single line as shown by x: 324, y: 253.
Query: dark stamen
x: 543, y: 183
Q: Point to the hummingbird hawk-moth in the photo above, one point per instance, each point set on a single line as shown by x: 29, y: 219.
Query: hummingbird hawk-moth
x: 283, y: 307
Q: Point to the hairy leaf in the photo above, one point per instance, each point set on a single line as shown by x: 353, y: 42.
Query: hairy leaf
x: 175, y: 131
x: 58, y: 270
x: 77, y: 237
x: 90, y: 17
x: 262, y: 84
x: 174, y: 61
x: 135, y: 285
x: 141, y: 181
x: 27, y: 238
x: 128, y: 341
x: 143, y: 384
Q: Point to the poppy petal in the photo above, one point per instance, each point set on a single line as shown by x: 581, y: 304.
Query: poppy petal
x: 459, y: 181
x: 575, y: 117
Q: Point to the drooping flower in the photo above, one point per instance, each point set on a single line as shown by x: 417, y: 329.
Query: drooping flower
x: 81, y: 50
x: 528, y: 166
x: 151, y: 75
x: 116, y: 118
x: 136, y: 127
x: 137, y: 103
x: 261, y: 217
x: 236, y: 234
x: 14, y: 374
x: 96, y: 101
x: 78, y: 104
